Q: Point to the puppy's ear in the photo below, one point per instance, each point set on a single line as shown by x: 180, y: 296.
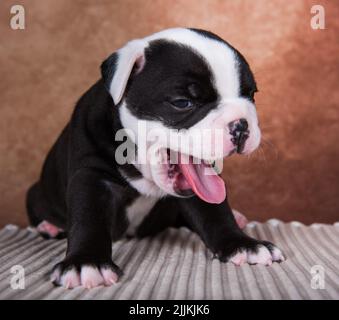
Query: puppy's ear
x: 117, y: 68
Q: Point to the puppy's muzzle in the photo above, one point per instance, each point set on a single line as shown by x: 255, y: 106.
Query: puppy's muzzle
x: 240, y: 133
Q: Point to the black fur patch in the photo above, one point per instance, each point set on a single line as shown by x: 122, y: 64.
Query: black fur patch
x: 169, y: 73
x: 248, y: 85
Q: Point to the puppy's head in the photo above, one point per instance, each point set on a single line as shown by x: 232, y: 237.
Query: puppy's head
x: 186, y: 97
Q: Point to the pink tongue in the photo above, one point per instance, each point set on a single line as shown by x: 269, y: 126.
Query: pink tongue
x: 207, y: 186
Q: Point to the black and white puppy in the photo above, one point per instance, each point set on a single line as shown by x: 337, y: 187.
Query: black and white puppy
x: 178, y: 82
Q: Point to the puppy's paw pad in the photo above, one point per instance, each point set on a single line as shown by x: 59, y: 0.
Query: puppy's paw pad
x: 48, y: 230
x: 239, y: 258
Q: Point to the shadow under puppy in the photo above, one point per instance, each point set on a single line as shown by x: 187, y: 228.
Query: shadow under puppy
x: 179, y: 82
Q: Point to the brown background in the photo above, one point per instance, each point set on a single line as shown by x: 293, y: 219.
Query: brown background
x: 46, y: 67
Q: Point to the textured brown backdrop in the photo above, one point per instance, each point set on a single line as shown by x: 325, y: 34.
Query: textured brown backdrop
x: 45, y: 68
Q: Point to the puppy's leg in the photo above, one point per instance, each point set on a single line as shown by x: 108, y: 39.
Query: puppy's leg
x: 92, y: 204
x: 216, y: 225
x: 32, y: 201
x: 39, y: 213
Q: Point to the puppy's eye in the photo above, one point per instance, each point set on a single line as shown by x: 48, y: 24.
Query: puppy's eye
x: 182, y: 103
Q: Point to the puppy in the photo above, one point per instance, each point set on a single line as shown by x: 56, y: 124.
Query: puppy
x: 179, y: 83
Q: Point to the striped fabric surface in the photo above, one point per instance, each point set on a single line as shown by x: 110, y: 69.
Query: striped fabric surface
x: 176, y: 265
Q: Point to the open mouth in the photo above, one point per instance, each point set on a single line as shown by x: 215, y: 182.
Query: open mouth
x: 195, y: 176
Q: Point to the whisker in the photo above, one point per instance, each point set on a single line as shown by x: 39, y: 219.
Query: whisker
x: 265, y: 128
x: 267, y: 143
x: 259, y: 105
x: 260, y: 71
x: 262, y: 152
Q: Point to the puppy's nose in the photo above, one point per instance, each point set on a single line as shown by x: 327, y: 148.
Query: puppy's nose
x: 238, y: 125
x: 239, y: 132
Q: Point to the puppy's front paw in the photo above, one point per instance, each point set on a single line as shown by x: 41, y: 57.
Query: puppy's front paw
x: 251, y: 251
x: 71, y: 274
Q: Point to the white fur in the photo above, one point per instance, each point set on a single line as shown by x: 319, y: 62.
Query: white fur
x: 145, y: 186
x: 239, y: 258
x: 261, y: 256
x: 277, y: 255
x: 70, y: 279
x: 127, y: 56
x: 110, y: 277
x: 89, y: 277
x: 137, y: 211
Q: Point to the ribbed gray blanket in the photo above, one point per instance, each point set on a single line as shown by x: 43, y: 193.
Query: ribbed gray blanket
x: 176, y: 265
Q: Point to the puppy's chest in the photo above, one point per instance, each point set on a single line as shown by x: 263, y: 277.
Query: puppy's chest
x: 137, y: 211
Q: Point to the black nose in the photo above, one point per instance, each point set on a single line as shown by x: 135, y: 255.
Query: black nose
x: 239, y: 132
